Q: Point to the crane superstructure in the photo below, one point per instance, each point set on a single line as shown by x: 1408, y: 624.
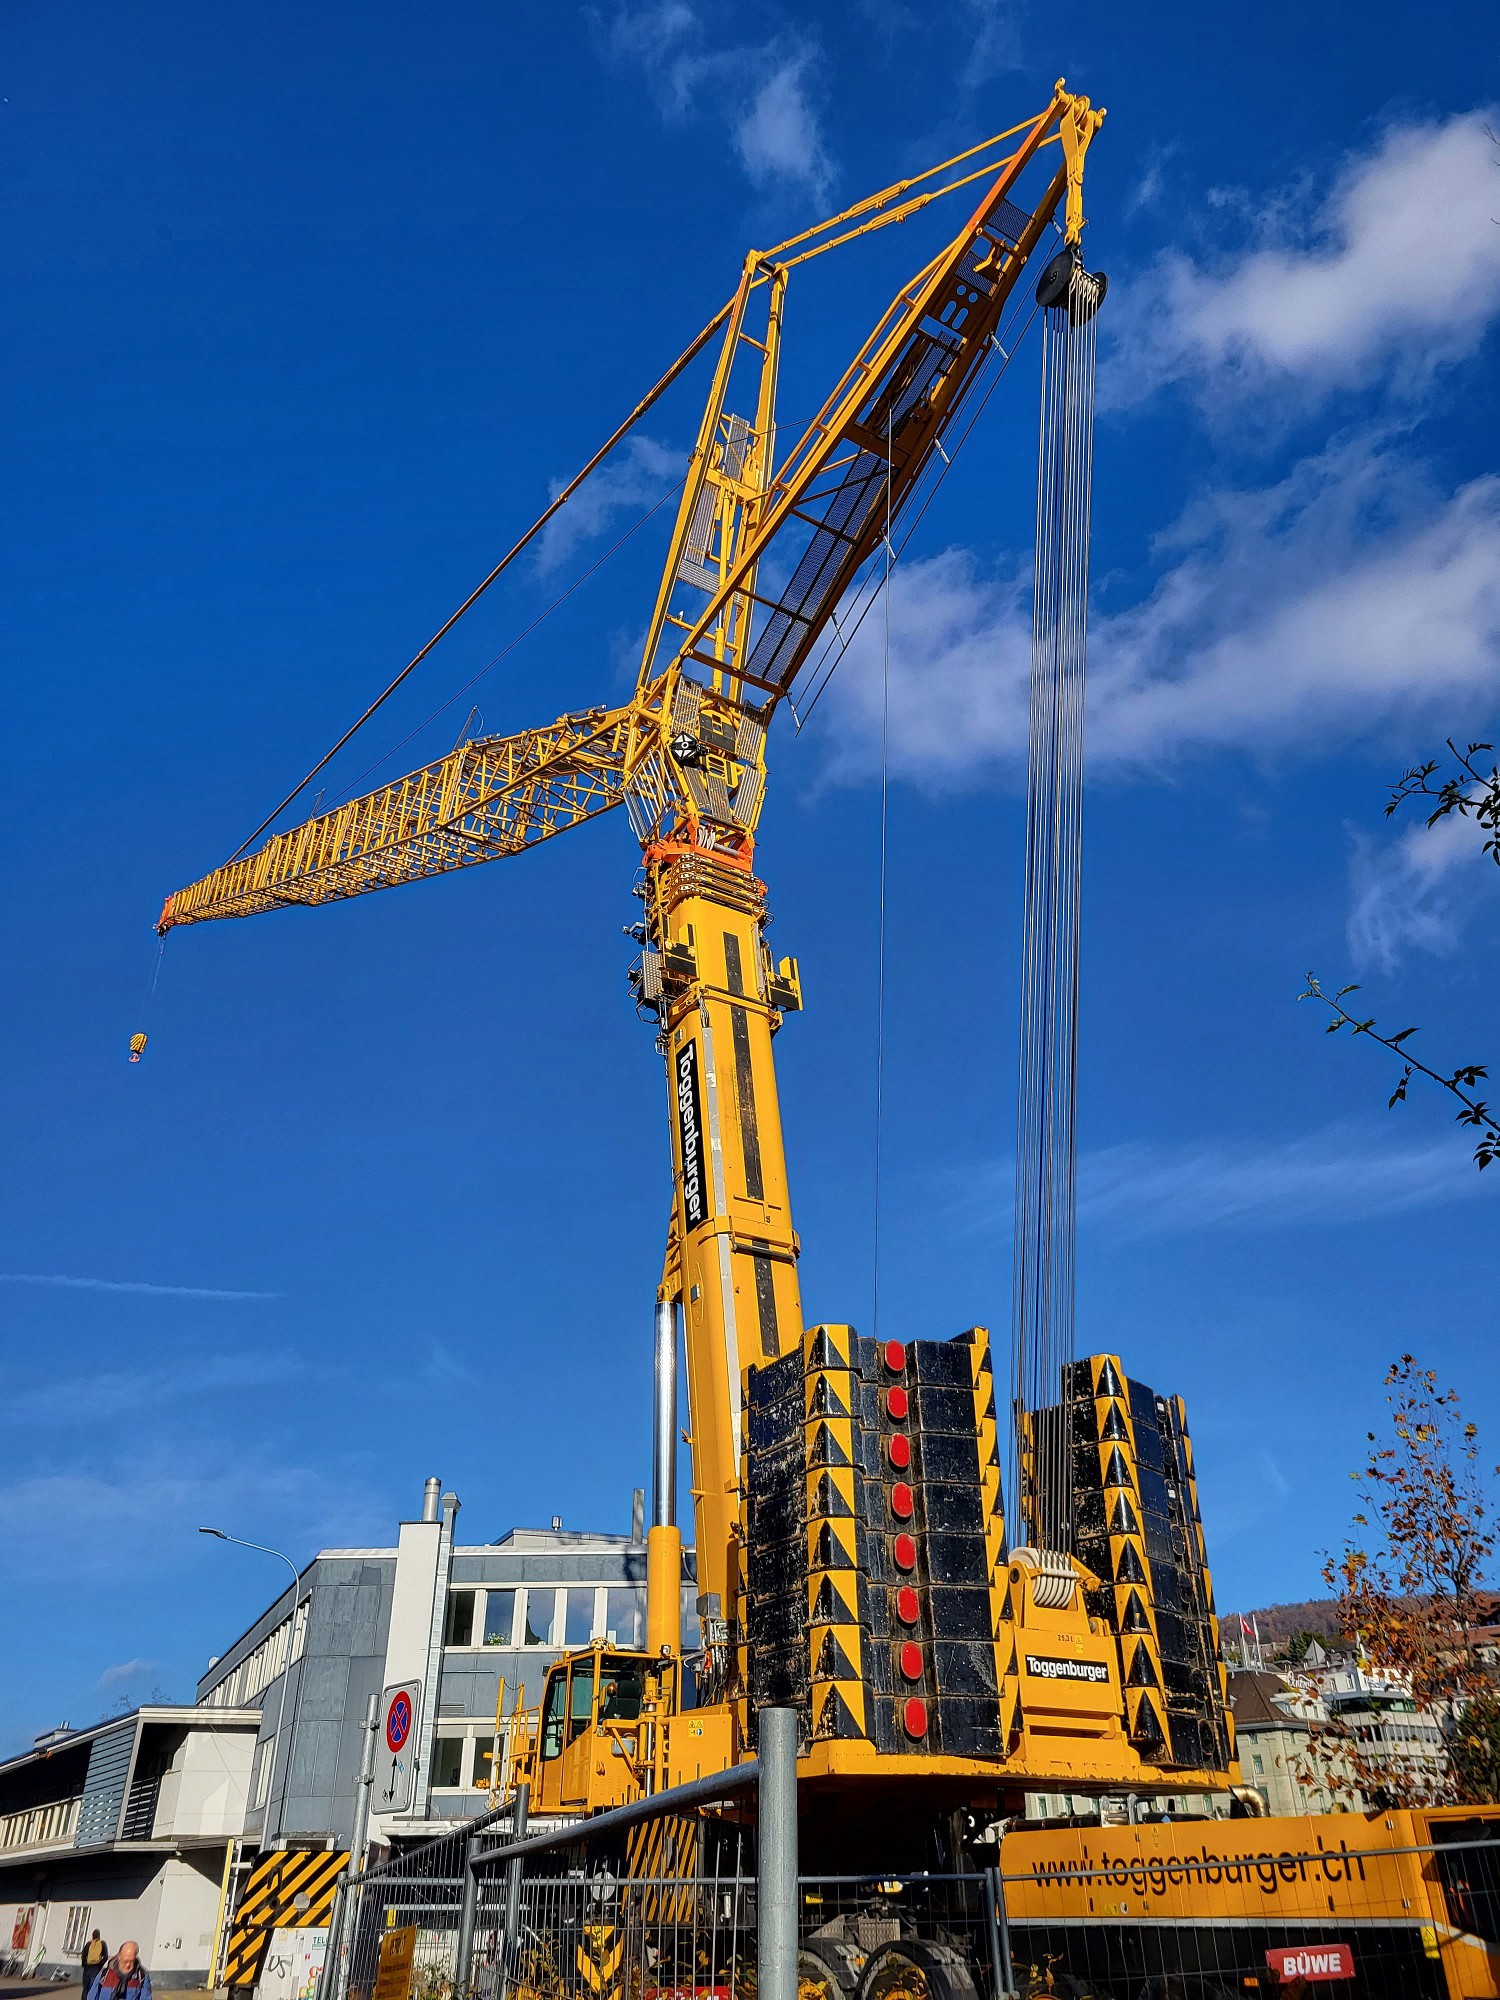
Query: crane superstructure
x: 686, y: 757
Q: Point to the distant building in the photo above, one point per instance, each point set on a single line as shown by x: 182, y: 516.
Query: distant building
x: 130, y: 1826
x: 1273, y: 1726
x: 454, y: 1617
x: 148, y: 1825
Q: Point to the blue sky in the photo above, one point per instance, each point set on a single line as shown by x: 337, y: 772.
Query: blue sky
x: 307, y: 311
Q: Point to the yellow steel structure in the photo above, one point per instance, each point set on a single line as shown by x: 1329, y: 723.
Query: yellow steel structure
x: 686, y: 755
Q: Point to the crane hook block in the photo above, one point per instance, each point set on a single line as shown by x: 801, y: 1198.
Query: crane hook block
x: 1066, y: 283
x: 137, y: 1045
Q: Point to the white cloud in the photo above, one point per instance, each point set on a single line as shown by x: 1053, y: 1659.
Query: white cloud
x: 1396, y: 270
x: 1148, y: 1189
x: 777, y: 137
x: 1339, y: 1175
x: 125, y: 1285
x: 1408, y: 894
x: 1295, y: 617
x: 127, y: 1670
x: 637, y: 476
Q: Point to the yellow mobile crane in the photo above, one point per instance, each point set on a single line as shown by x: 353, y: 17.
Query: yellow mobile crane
x: 851, y: 1545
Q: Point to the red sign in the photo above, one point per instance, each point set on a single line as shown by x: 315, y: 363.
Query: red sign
x: 398, y: 1720
x: 1311, y: 1961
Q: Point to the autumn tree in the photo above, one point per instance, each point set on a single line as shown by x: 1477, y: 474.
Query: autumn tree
x: 1410, y: 1592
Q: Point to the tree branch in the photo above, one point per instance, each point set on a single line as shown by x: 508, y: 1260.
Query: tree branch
x: 1474, y: 1112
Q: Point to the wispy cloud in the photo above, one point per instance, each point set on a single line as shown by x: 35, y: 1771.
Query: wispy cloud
x: 127, y: 1285
x: 1413, y: 893
x: 774, y: 126
x: 1147, y: 1189
x: 778, y: 138
x: 1391, y: 272
x: 53, y: 1402
x: 638, y: 475
x: 1294, y: 617
x: 127, y: 1670
x: 1338, y: 1175
x: 92, y: 1527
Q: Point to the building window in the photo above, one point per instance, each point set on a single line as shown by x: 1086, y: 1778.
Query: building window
x: 77, y: 1930
x: 447, y: 1763
x: 499, y: 1617
x: 261, y: 1789
x: 578, y: 1625
x: 460, y: 1627
x: 625, y: 1617
x: 541, y: 1609
x: 1255, y: 1760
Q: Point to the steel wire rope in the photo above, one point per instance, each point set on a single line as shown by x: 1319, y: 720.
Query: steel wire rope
x: 839, y: 649
x: 885, y: 735
x: 511, y: 644
x: 1043, y: 1285
x: 559, y: 500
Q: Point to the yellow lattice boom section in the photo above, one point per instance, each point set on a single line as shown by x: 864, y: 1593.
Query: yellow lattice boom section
x: 494, y: 796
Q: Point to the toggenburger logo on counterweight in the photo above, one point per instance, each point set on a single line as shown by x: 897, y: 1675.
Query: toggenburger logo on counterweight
x: 1046, y: 1668
x: 690, y: 1133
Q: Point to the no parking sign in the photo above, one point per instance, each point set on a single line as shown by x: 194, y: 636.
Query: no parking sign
x: 396, y: 1749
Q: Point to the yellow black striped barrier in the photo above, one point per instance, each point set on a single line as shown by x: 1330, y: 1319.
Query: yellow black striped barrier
x: 292, y: 1889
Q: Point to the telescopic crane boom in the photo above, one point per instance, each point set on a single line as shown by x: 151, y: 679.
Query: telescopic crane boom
x: 686, y: 756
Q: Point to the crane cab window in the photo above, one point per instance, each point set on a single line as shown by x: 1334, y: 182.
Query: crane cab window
x: 622, y: 1690
x: 580, y: 1697
x: 554, y: 1714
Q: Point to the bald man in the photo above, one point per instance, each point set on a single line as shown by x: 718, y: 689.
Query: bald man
x: 124, y: 1977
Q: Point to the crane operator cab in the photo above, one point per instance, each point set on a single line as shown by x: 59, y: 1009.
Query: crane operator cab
x: 600, y: 1731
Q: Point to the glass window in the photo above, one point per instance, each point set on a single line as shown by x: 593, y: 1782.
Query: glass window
x: 579, y: 1622
x: 460, y: 1627
x: 541, y: 1608
x: 499, y: 1617
x: 581, y: 1698
x: 625, y: 1617
x: 692, y: 1637
x: 447, y: 1762
x: 555, y: 1711
x: 622, y: 1691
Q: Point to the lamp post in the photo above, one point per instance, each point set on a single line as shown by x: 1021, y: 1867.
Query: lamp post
x: 286, y: 1672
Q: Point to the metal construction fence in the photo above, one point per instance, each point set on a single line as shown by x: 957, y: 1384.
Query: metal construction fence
x: 669, y: 1910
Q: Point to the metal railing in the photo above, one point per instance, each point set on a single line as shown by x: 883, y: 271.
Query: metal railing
x: 40, y: 1826
x: 670, y: 1900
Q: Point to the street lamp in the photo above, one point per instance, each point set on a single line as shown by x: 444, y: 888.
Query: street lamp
x: 286, y: 1672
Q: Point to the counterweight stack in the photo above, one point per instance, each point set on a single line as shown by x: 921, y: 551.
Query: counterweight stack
x: 1046, y: 1134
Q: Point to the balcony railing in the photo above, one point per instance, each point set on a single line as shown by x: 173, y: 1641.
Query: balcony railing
x: 40, y: 1826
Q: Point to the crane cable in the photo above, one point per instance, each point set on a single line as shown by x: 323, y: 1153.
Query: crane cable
x: 561, y: 499
x: 1042, y: 1306
x: 885, y: 738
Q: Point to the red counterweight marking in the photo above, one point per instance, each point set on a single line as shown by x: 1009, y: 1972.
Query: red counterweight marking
x: 905, y: 1552
x: 911, y: 1661
x: 899, y: 1450
x: 895, y: 1356
x: 908, y: 1605
x: 902, y: 1501
x: 914, y: 1717
x: 897, y: 1404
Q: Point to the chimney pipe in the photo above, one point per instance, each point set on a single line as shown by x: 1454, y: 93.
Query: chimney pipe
x: 638, y: 1517
x: 430, y: 1494
x: 451, y: 1505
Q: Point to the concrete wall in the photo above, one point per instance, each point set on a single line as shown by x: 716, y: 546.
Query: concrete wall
x: 167, y: 1903
x: 205, y: 1787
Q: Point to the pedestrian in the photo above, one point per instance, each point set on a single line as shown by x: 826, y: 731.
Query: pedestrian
x: 123, y: 1977
x: 91, y: 1958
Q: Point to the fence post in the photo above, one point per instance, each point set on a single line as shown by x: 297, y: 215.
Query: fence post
x: 468, y: 1900
x: 999, y: 1927
x: 776, y: 1915
x: 511, y: 1936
